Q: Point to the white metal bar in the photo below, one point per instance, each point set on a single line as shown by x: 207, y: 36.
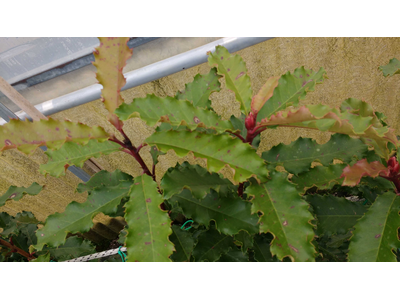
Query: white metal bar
x: 146, y: 74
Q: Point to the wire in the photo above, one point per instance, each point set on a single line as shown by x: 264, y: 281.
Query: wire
x: 100, y: 255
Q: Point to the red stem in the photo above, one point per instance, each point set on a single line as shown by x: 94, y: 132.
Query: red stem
x: 238, y: 135
x: 16, y: 249
x: 396, y: 180
x: 140, y: 147
x: 240, y: 189
x: 251, y: 134
x: 115, y: 140
x: 154, y: 172
x: 130, y: 149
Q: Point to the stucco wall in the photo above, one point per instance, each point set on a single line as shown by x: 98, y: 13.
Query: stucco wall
x: 352, y: 69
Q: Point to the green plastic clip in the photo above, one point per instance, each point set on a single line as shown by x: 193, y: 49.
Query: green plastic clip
x: 185, y: 224
x: 122, y: 254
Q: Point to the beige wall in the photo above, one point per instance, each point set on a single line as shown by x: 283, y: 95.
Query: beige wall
x: 352, y: 69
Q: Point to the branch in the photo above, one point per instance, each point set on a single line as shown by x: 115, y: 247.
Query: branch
x: 238, y: 135
x: 240, y: 189
x: 140, y: 147
x: 16, y: 249
x: 130, y: 149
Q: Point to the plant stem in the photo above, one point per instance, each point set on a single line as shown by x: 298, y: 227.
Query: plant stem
x: 154, y: 173
x: 395, y: 180
x: 240, y: 189
x: 127, y: 144
x: 238, y: 135
x: 16, y: 249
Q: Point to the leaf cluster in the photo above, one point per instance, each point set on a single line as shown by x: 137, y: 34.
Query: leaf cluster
x: 305, y: 201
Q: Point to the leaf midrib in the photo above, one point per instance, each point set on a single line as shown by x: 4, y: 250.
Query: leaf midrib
x: 183, y: 248
x: 214, y: 245
x: 310, y: 157
x: 235, y: 90
x: 290, y: 97
x: 277, y: 217
x: 154, y: 117
x: 214, y: 210
x: 384, y: 227
x: 55, y: 163
x: 148, y: 217
x: 93, y: 211
x: 202, y: 154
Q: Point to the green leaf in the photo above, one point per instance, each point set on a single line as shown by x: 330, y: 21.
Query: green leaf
x: 382, y: 117
x: 155, y: 154
x: 26, y: 217
x: 16, y: 224
x: 25, y: 237
x: 103, y: 178
x: 230, y: 212
x: 26, y: 225
x: 198, y: 91
x: 297, y: 156
x: 335, y: 214
x: 362, y: 108
x: 29, y: 233
x: 372, y: 156
x: 238, y: 124
x: 168, y: 127
x: 291, y: 88
x: 377, y: 182
x: 393, y: 67
x: 184, y: 244
x: 8, y: 224
x: 26, y: 136
x: 149, y: 226
x: 264, y: 94
x: 334, y: 248
x: 71, y: 154
x: 235, y: 72
x: 16, y: 193
x: 324, y: 118
x: 78, y: 217
x: 324, y: 178
x: 211, y: 245
x: 153, y: 109
x: 110, y: 59
x: 193, y: 177
x: 244, y: 240
x: 74, y: 247
x: 42, y: 258
x: 284, y: 214
x: 218, y: 150
x: 234, y: 255
x: 262, y: 252
x: 376, y: 234
x: 122, y: 236
x: 338, y: 240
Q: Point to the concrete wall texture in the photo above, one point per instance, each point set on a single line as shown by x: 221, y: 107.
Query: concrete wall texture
x: 352, y: 69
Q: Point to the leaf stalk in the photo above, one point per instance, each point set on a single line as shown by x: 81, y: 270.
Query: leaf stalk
x: 16, y: 249
x: 132, y: 150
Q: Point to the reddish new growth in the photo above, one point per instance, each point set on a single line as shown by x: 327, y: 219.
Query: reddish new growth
x: 392, y: 173
x: 252, y: 129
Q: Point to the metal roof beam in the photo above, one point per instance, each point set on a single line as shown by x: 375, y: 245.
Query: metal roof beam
x: 146, y: 74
